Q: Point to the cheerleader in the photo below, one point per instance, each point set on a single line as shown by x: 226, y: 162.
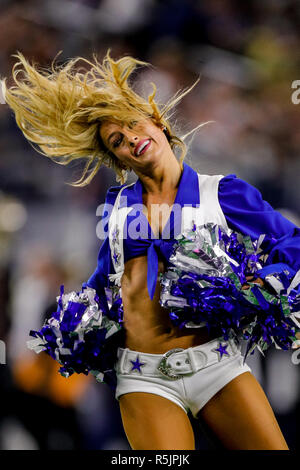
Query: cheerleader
x: 162, y: 371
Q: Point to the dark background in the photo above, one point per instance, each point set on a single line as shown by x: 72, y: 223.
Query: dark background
x: 247, y: 54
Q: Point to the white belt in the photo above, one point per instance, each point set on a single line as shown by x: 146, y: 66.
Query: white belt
x: 176, y: 362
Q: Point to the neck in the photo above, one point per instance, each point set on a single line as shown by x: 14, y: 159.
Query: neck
x: 163, y: 178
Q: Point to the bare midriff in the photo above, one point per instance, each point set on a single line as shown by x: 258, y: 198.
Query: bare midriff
x: 147, y: 324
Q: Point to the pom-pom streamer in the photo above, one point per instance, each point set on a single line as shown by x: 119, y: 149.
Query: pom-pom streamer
x: 75, y: 334
x: 204, y: 286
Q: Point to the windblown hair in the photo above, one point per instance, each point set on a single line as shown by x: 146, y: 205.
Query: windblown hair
x: 61, y: 109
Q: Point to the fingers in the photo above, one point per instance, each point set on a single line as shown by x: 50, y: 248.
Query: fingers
x: 245, y: 287
x: 257, y: 280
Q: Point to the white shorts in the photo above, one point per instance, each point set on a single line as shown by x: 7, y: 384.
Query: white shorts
x: 203, y: 370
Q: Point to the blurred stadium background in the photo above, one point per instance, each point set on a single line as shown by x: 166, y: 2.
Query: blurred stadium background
x: 247, y: 54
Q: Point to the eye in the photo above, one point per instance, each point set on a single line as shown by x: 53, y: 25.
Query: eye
x: 117, y: 142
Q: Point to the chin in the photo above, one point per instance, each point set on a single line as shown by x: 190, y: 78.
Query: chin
x: 146, y: 159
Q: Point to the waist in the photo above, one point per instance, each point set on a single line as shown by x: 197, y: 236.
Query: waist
x: 159, y: 338
x: 176, y: 362
x: 150, y: 329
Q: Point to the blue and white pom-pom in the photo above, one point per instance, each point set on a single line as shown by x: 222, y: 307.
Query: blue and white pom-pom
x: 204, y: 286
x: 76, y: 333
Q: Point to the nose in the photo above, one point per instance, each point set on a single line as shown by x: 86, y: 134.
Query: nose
x: 132, y: 139
x: 131, y: 135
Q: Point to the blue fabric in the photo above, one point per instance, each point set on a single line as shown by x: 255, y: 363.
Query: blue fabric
x: 247, y: 212
x: 244, y: 209
x: 163, y: 246
x: 99, y: 279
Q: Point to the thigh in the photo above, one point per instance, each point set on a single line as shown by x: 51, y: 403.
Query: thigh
x: 241, y: 418
x: 153, y: 422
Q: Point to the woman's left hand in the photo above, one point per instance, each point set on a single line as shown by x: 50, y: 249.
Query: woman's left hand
x: 257, y: 280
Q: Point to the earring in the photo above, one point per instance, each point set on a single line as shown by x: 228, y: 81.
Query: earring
x: 166, y: 132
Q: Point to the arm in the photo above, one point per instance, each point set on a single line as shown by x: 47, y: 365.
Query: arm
x: 93, y: 346
x: 248, y: 213
x: 99, y: 279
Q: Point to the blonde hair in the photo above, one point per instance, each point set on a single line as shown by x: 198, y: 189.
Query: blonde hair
x: 61, y: 109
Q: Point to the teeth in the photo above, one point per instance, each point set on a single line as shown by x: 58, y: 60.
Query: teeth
x: 143, y: 146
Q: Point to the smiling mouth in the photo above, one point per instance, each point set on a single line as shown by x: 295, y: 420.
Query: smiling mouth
x: 142, y: 148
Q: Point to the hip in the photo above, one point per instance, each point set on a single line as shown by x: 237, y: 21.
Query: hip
x: 188, y: 377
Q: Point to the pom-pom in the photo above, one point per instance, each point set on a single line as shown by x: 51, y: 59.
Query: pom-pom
x: 75, y: 334
x: 204, y: 286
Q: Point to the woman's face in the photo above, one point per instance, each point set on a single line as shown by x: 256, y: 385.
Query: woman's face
x: 137, y: 146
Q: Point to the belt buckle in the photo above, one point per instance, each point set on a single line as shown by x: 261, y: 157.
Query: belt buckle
x: 165, y: 368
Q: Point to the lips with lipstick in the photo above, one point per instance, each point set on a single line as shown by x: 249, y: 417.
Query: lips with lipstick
x: 142, y: 146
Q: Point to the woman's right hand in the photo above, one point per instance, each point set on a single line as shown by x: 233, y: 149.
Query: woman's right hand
x: 257, y: 280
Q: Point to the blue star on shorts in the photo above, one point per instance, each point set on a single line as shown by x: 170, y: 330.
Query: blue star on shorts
x: 137, y: 364
x: 221, y: 350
